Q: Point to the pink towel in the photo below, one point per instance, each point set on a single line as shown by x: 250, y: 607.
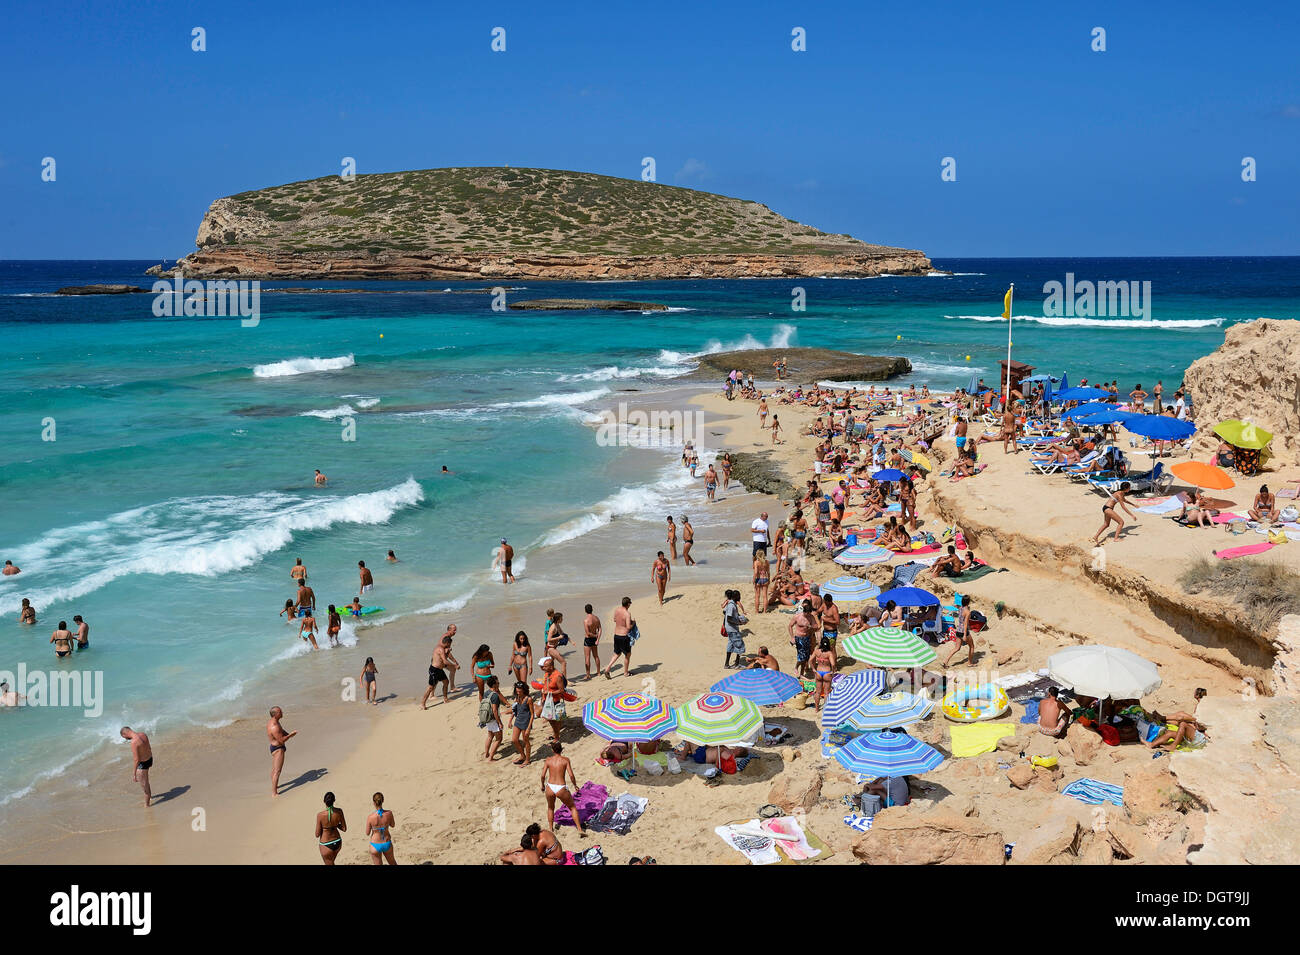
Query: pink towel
x: 1224, y: 517
x: 1246, y: 551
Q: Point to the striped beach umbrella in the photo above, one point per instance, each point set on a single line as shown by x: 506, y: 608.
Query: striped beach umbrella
x: 849, y: 589
x: 760, y: 685
x: 629, y: 717
x: 717, y: 719
x: 848, y: 693
x: 888, y: 647
x: 889, y: 710
x: 888, y: 754
x: 863, y: 555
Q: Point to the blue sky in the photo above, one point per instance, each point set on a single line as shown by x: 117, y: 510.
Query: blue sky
x: 1059, y: 150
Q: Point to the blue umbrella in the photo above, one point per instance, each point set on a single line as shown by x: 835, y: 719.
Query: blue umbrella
x: 849, y: 693
x: 889, y: 474
x: 1159, y: 427
x: 1092, y: 407
x: 1109, y: 416
x: 908, y: 597
x: 848, y: 589
x: 762, y: 686
x: 888, y: 754
x: 1087, y: 393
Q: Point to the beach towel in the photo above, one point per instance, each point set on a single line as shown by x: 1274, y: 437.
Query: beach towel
x: 618, y: 814
x: 590, y: 799
x: 977, y: 738
x: 1031, y: 712
x: 1249, y: 550
x: 860, y: 823
x: 978, y: 571
x: 1166, y: 506
x: 1226, y: 517
x: 750, y: 841
x: 1094, y: 792
x: 789, y: 837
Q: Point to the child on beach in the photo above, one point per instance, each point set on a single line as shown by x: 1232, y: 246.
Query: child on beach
x: 368, y: 674
x: 307, y: 629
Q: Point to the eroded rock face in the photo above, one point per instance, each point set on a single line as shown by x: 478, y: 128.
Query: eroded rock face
x: 797, y: 788
x: 1286, y: 665
x: 1055, y: 841
x: 939, y: 837
x: 1254, y: 375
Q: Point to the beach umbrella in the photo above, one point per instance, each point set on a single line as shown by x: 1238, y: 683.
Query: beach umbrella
x: 629, y: 718
x: 718, y: 719
x: 863, y: 555
x: 1104, y: 672
x: 848, y: 693
x: 760, y: 685
x: 1159, y: 427
x: 888, y: 647
x: 889, y: 474
x: 1086, y: 393
x: 1092, y: 407
x: 1108, y: 416
x: 888, y: 754
x: 1243, y: 434
x: 889, y: 710
x: 849, y: 589
x: 908, y: 597
x: 1200, y: 474
x: 920, y: 460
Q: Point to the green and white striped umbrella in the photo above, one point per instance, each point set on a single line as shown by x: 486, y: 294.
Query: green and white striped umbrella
x: 716, y: 719
x: 888, y: 647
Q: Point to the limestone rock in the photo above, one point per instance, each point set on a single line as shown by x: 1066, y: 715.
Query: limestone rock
x: 938, y: 837
x: 1149, y: 788
x: 797, y: 789
x: 1286, y: 664
x: 1021, y: 776
x: 1055, y: 841
x: 1084, y: 744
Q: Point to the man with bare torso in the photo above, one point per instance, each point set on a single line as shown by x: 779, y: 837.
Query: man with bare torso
x: 141, y: 759
x: 83, y: 633
x: 442, y: 668
x: 278, y: 738
x: 590, y: 640
x: 623, y: 624
x: 1052, y: 716
x: 507, y: 555
x: 555, y: 771
x: 306, y: 602
x: 688, y: 538
x: 367, y: 578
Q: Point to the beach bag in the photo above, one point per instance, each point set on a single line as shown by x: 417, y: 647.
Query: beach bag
x: 1277, y: 537
x: 633, y: 635
x: 1109, y: 735
x: 1289, y: 514
x: 870, y: 804
x: 485, y: 711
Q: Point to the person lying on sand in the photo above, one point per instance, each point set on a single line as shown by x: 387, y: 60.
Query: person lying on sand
x: 1180, y: 727
x: 1198, y: 511
x: 708, y: 755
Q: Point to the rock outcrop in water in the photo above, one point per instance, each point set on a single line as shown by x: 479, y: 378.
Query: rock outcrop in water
x: 804, y: 365
x: 1254, y: 375
x: 490, y: 223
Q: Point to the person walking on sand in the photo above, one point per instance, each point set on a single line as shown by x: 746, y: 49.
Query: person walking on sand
x: 552, y: 709
x: 307, y: 630
x: 481, y: 664
x: 623, y: 624
x: 762, y: 413
x: 672, y: 538
x: 555, y: 771
x: 762, y: 570
x: 1109, y: 516
x: 368, y: 674
x: 590, y: 640
x: 440, y: 666
x: 710, y: 483
x: 688, y: 538
x: 962, y: 634
x: 521, y: 657
x: 760, y: 535
x: 141, y: 759
x: 660, y: 573
x: 490, y: 718
x: 379, y: 830
x: 330, y: 825
x: 506, y: 554
x: 279, y: 739
x: 521, y: 719
x: 776, y: 429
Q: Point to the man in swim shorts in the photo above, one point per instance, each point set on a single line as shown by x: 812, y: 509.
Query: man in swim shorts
x: 1052, y: 716
x: 439, y: 665
x: 507, y: 558
x: 367, y: 578
x: 306, y: 602
x: 141, y: 759
x: 83, y: 633
x: 554, y: 772
x: 623, y: 624
x: 590, y: 639
x: 278, y: 739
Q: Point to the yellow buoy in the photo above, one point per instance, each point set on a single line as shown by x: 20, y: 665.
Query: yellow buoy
x: 900, y: 338
x: 968, y: 357
x: 381, y: 334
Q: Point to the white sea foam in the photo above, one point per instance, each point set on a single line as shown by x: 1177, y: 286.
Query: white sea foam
x: 1080, y: 322
x: 199, y: 536
x: 555, y: 400
x: 302, y: 366
x: 615, y: 373
x: 643, y: 501
x: 782, y: 337
x: 922, y: 367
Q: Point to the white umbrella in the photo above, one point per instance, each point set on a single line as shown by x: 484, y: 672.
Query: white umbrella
x: 1104, y: 672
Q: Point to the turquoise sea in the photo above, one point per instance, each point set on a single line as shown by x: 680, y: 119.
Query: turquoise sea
x: 178, y: 488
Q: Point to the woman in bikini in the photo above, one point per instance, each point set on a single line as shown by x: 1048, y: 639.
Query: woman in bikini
x: 328, y: 829
x: 823, y: 664
x: 1265, y: 509
x: 368, y: 674
x: 521, y: 658
x: 27, y: 613
x: 482, y: 664
x: 1198, y: 512
x: 62, y: 640
x: 761, y: 580
x: 521, y: 718
x: 672, y: 538
x: 962, y: 634
x: 379, y: 826
x: 1109, y: 514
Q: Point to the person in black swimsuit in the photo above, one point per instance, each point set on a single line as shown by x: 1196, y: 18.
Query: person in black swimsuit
x: 328, y: 829
x: 1110, y: 516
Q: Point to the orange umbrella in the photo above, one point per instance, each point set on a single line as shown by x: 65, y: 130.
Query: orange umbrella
x: 1199, y: 474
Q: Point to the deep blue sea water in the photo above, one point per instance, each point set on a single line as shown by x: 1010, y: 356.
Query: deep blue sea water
x: 178, y: 488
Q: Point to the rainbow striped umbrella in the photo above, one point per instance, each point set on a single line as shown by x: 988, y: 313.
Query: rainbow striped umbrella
x: 629, y: 717
x: 888, y: 647
x: 716, y: 719
x: 863, y: 555
x: 850, y: 589
x: 888, y: 754
x: 848, y: 693
x: 887, y: 711
x: 762, y: 686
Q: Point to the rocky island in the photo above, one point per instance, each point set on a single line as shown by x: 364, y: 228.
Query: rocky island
x: 503, y: 223
x: 587, y: 305
x: 804, y: 365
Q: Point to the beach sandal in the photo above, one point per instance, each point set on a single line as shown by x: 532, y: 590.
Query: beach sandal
x: 769, y: 811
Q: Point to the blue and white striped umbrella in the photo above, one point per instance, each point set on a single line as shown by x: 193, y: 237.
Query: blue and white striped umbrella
x: 762, y: 686
x: 849, y: 693
x: 888, y: 711
x: 849, y: 589
x: 862, y: 555
x: 888, y: 754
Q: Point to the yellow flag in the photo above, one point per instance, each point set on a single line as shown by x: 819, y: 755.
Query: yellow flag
x: 1006, y: 305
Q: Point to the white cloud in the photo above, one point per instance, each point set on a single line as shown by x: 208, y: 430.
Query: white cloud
x: 693, y: 170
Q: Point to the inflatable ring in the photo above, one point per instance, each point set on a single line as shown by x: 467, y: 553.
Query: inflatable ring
x: 969, y: 704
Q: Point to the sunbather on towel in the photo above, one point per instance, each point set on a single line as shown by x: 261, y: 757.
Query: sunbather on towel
x: 949, y: 565
x: 709, y: 755
x: 1180, y: 727
x: 1198, y: 512
x: 1265, y: 509
x: 1052, y: 716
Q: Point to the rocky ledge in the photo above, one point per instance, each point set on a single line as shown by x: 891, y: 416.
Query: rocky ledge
x: 99, y: 290
x: 804, y: 365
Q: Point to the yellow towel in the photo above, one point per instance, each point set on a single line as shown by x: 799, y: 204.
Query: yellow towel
x: 979, y: 737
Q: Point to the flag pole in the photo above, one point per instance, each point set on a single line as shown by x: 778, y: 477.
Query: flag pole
x: 1011, y: 293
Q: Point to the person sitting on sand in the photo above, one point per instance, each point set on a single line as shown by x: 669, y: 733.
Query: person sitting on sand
x: 1264, y: 509
x: 964, y: 466
x: 892, y: 790
x: 1198, y: 512
x: 526, y: 854
x: 892, y: 616
x: 1052, y: 716
x: 765, y: 661
x: 949, y: 565
x: 1180, y: 727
